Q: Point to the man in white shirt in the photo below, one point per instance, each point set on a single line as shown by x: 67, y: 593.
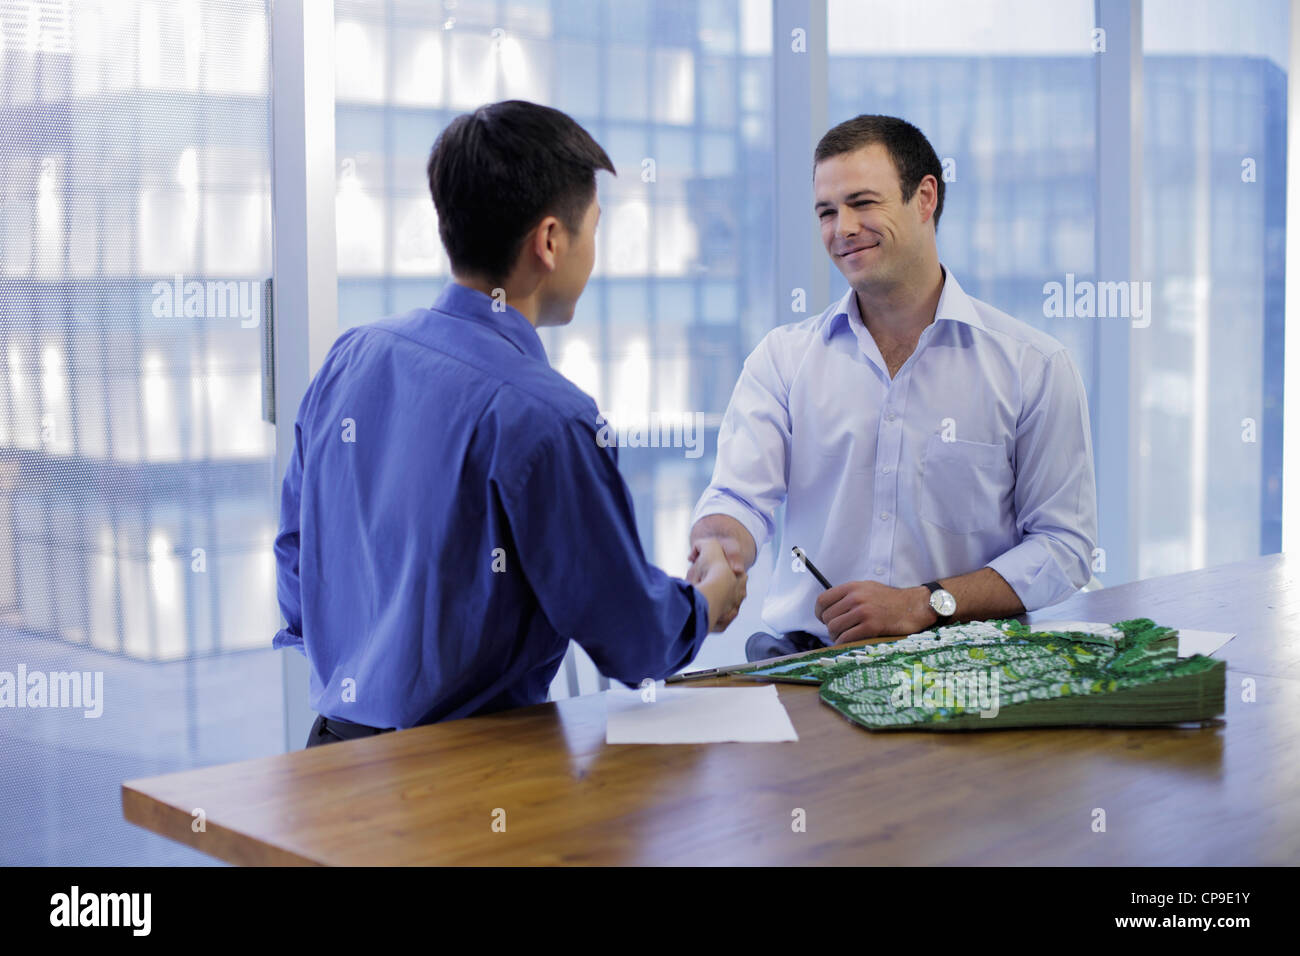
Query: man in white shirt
x: 932, y: 452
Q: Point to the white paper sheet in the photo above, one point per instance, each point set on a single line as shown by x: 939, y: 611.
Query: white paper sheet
x: 697, y: 715
x: 1189, y: 642
x: 1201, y: 642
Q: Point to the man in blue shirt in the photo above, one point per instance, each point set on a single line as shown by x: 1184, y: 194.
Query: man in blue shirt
x: 933, y: 453
x: 449, y: 520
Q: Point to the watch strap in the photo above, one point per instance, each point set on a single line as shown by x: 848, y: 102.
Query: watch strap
x: 939, y: 618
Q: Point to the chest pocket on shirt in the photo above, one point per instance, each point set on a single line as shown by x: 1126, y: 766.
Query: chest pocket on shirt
x: 965, y: 485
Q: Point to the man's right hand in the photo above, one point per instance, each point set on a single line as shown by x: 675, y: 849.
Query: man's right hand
x: 715, y: 574
x: 736, y: 541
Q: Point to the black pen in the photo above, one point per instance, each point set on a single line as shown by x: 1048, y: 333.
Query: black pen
x: 798, y: 553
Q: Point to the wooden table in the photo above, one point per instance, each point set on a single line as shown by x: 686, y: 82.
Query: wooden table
x: 1222, y: 794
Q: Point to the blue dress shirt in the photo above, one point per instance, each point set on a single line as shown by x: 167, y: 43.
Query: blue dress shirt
x: 449, y: 521
x: 976, y: 453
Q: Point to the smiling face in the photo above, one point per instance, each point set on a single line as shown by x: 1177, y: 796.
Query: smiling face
x: 872, y: 236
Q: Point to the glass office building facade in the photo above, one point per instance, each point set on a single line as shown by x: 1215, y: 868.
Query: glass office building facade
x: 137, y: 505
x: 1209, y: 406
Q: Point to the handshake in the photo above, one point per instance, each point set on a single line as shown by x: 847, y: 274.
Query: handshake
x: 718, y: 571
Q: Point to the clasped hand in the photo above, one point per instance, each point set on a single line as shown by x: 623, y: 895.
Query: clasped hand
x: 722, y: 578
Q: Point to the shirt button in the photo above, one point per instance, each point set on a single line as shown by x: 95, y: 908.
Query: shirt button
x: 890, y: 417
x: 886, y: 470
x: 884, y: 516
x: 880, y: 569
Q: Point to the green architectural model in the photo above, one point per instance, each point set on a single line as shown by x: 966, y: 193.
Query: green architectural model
x: 993, y: 674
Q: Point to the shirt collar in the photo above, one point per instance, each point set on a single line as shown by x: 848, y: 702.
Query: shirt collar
x: 462, y: 302
x: 954, y: 305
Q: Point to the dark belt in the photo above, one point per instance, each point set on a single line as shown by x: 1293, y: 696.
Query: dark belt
x: 346, y: 730
x: 805, y: 641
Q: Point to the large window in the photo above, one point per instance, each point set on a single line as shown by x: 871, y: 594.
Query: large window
x: 136, y: 507
x: 1208, y: 411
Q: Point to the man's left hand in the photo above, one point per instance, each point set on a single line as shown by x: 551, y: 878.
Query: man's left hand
x: 862, y: 609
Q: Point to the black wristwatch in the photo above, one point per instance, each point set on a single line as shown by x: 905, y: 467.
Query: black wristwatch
x: 942, y: 602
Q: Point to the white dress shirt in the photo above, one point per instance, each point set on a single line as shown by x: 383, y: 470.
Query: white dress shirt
x: 977, y: 453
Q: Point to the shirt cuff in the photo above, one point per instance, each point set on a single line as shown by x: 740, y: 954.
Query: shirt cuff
x: 287, y: 638
x: 1038, y: 574
x: 720, y: 503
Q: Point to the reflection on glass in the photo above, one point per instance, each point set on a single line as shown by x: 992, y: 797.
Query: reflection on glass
x: 136, y: 507
x: 1208, y: 415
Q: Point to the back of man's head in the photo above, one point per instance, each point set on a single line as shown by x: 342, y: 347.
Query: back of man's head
x: 497, y: 172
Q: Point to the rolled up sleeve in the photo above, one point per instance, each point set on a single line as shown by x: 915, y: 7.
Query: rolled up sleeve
x: 1056, y: 492
x: 751, y: 471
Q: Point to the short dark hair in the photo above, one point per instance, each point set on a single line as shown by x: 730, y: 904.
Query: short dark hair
x: 497, y: 172
x: 911, y: 152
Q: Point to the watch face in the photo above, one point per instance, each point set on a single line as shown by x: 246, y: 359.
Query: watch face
x: 944, y: 604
